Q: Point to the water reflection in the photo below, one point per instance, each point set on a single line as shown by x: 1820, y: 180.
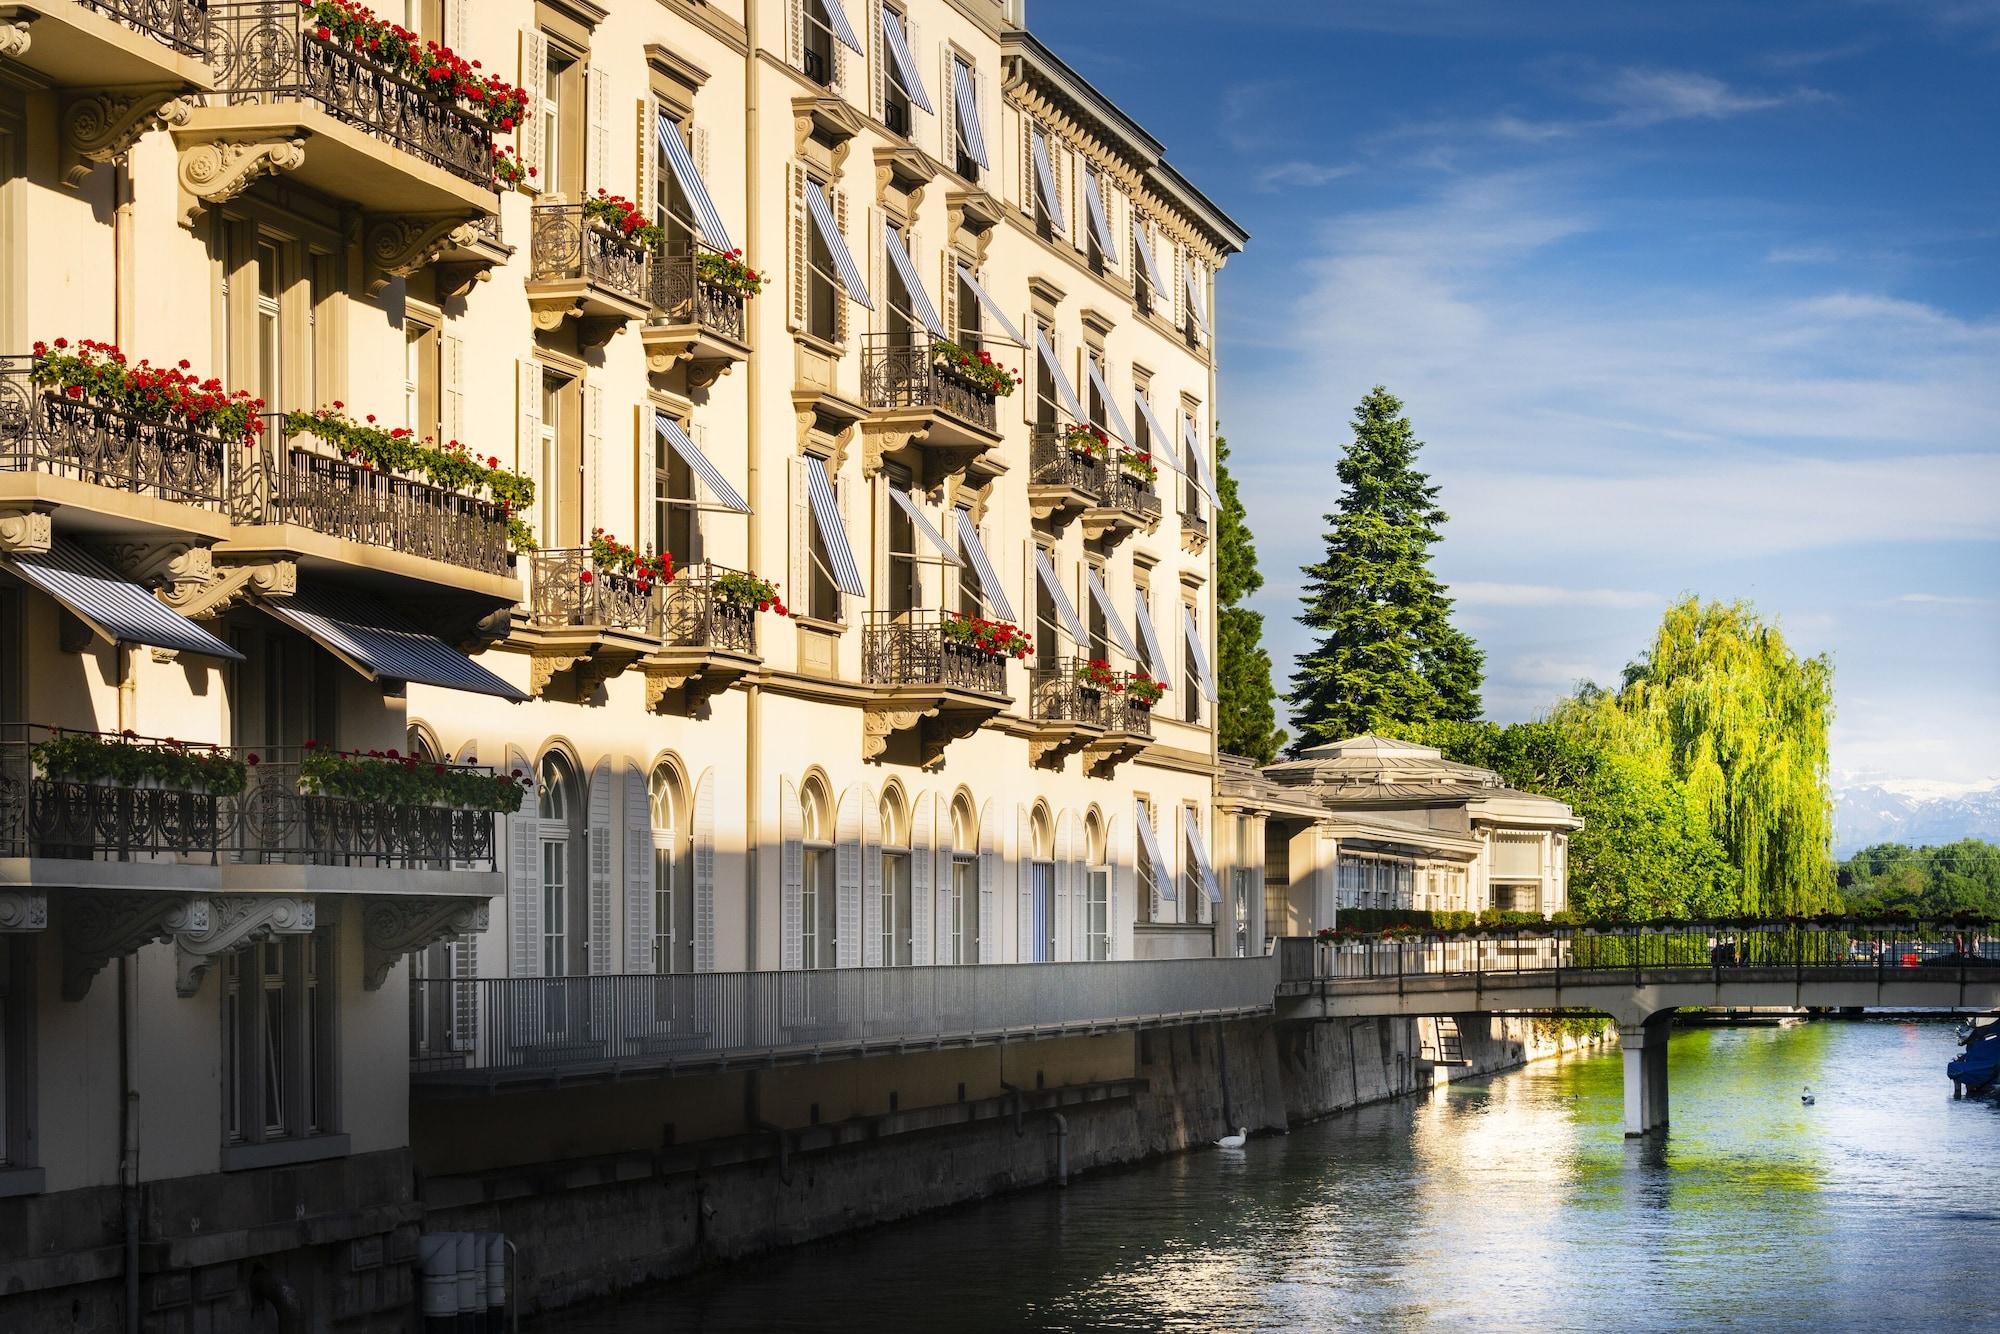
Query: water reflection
x: 1510, y: 1204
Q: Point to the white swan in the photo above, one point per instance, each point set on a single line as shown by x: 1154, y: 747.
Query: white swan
x: 1235, y: 1141
x: 1806, y: 1096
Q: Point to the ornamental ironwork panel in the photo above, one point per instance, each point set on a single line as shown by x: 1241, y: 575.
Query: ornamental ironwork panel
x: 266, y: 51
x: 681, y: 296
x: 179, y: 24
x: 1051, y: 462
x: 1135, y: 496
x: 912, y: 371
x: 349, y: 500
x: 699, y: 615
x: 1124, y: 714
x: 45, y: 431
x: 911, y: 648
x: 1194, y: 523
x: 569, y: 245
x: 571, y: 587
x: 1058, y: 695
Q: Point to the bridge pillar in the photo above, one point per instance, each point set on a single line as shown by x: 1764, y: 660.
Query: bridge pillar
x: 1645, y: 1048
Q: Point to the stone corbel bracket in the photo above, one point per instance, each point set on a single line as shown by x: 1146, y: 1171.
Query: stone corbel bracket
x: 102, y: 127
x: 26, y: 532
x: 399, y: 246
x: 14, y: 39
x: 236, y: 920
x: 23, y: 910
x: 101, y: 925
x: 215, y: 171
x: 393, y: 928
x: 231, y: 586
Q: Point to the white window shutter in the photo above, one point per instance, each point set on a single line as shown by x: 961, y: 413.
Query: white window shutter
x: 947, y: 117
x: 597, y: 140
x: 704, y: 874
x: 1024, y: 885
x: 1025, y: 162
x: 600, y: 868
x: 698, y: 145
x: 791, y: 876
x: 801, y: 544
x: 989, y: 883
x: 528, y: 434
x: 871, y: 881
x: 524, y: 880
x: 878, y: 62
x: 593, y: 455
x: 873, y: 257
x: 797, y: 262
x: 458, y: 27
x: 922, y: 864
x: 646, y: 161
x: 847, y: 878
x: 795, y: 33
x: 838, y: 198
x: 533, y: 138
x: 639, y: 918
x: 451, y: 387
x: 1066, y: 887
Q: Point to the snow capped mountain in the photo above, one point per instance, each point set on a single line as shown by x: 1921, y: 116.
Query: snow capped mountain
x: 1913, y: 813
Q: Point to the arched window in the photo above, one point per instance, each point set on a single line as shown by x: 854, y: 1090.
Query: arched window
x: 420, y: 744
x: 673, y: 890
x: 898, y: 931
x: 1096, y: 890
x: 962, y: 896
x: 1041, y: 948
x: 557, y: 802
x: 821, y: 918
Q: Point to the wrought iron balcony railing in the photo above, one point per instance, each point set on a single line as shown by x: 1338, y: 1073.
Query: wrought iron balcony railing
x: 572, y: 588
x: 699, y: 613
x: 1051, y: 462
x: 269, y: 822
x: 266, y: 52
x: 179, y: 24
x: 1060, y: 695
x: 1194, y: 523
x: 570, y: 246
x: 1122, y: 713
x: 1134, y: 495
x: 304, y: 484
x: 44, y: 431
x: 682, y: 296
x: 913, y: 648
x: 913, y: 371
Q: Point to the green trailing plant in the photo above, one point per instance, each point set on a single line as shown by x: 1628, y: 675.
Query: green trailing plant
x: 1086, y: 440
x: 510, y: 172
x: 425, y: 63
x: 623, y: 219
x: 387, y: 778
x: 746, y: 591
x: 101, y: 374
x: 128, y: 761
x: 996, y: 639
x: 977, y: 369
x: 1139, y: 463
x: 728, y: 272
x: 1143, y: 690
x: 1096, y: 674
x: 610, y: 556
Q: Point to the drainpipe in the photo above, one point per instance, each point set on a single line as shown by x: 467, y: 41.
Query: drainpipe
x: 753, y: 704
x: 128, y: 1142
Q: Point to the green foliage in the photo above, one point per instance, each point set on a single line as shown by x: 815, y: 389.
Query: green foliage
x: 1246, y: 715
x: 389, y: 779
x: 451, y: 467
x: 1388, y: 654
x: 738, y: 589
x: 86, y: 757
x: 1961, y: 877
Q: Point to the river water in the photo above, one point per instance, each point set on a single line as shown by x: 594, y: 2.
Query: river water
x: 1511, y: 1203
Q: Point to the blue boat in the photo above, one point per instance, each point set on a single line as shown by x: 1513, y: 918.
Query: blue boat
x: 1975, y: 1069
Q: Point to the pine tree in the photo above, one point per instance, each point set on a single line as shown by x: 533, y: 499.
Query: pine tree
x: 1388, y: 655
x: 1246, y: 715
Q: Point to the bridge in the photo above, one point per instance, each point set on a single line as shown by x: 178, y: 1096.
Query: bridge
x: 1639, y: 976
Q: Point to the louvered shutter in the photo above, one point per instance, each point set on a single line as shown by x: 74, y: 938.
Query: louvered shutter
x: 798, y: 260
x: 1066, y: 885
x: 838, y: 199
x: 704, y: 874
x: 698, y: 146
x: 922, y: 865
x: 847, y: 878
x: 989, y: 883
x: 639, y: 906
x: 948, y: 292
x: 533, y: 136
x: 528, y: 434
x: 801, y: 544
x: 451, y: 383
x: 947, y: 116
x: 874, y: 255
x: 646, y: 162
x: 795, y: 33
x: 1025, y: 162
x: 458, y: 27
x: 1024, y: 885
x: 878, y: 62
x: 599, y: 848
x: 1120, y: 879
x: 524, y: 881
x: 593, y: 456
x: 791, y: 876
x: 871, y: 881
x: 597, y: 137
x: 946, y: 884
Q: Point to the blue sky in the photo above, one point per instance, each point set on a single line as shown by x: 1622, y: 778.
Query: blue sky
x: 1684, y: 297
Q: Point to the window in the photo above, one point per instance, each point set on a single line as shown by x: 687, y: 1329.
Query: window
x: 426, y: 19
x: 1095, y: 621
x: 962, y: 900
x: 1096, y: 891
x: 1152, y: 904
x: 906, y: 589
x: 820, y: 919
x: 557, y: 802
x: 967, y: 313
x: 562, y: 124
x: 672, y: 209
x: 1190, y: 671
x: 898, y: 931
x: 277, y: 1050
x: 896, y: 105
x: 903, y: 327
x: 1093, y: 253
x: 673, y: 894
x: 822, y: 593
x: 1045, y: 619
x: 1242, y: 886
x: 1047, y: 400
x: 422, y: 380
x: 817, y: 41
x: 1041, y: 947
x: 17, y: 1032
x: 1194, y: 893
x: 823, y: 293
x: 1142, y: 602
x: 971, y: 597
x: 676, y: 505
x: 967, y: 165
x: 560, y: 463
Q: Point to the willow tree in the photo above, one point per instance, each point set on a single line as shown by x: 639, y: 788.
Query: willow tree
x: 1741, y: 721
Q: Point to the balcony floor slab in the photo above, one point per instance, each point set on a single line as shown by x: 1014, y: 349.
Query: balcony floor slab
x: 75, y: 47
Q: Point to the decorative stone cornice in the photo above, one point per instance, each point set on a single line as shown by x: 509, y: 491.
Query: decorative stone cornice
x: 231, y: 586
x: 14, y: 40
x: 101, y: 925
x: 25, y: 532
x: 23, y: 910
x: 178, y: 566
x: 905, y: 171
x: 823, y: 129
x: 235, y: 920
x: 102, y: 127
x: 399, y: 245
x: 394, y: 927
x: 217, y: 170
x: 879, y: 724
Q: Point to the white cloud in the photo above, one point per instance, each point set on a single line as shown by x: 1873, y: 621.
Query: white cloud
x: 1655, y: 96
x: 1801, y: 254
x: 1478, y: 594
x: 1943, y: 600
x: 1307, y: 174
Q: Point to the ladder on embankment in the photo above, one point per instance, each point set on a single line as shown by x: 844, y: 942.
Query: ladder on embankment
x: 1450, y: 1047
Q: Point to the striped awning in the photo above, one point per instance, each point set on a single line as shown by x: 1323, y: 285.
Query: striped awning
x: 117, y: 610
x: 1192, y: 828
x: 682, y: 163
x: 994, y: 310
x: 1113, y: 625
x: 975, y: 551
x: 1114, y: 420
x: 1146, y: 260
x: 1100, y: 221
x: 969, y: 128
x: 1196, y: 307
x: 1149, y: 636
x: 923, y: 525
x: 380, y: 644
x: 699, y: 463
x: 836, y: 244
x: 832, y: 532
x: 1065, y: 612
x: 1045, y: 175
x: 1193, y: 633
x: 906, y: 269
x: 843, y: 31
x: 1065, y: 395
x: 1161, y: 440
x: 1198, y: 459
x: 1163, y: 880
x: 902, y: 62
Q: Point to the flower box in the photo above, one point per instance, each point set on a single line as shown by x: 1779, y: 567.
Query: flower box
x: 728, y: 272
x: 620, y: 218
x: 737, y: 591
x: 428, y: 65
x: 977, y: 371
x: 387, y: 778
x: 1087, y: 441
x: 975, y: 635
x: 100, y: 374
x: 93, y: 760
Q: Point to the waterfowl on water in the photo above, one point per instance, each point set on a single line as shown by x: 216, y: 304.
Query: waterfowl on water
x: 1235, y: 1141
x: 1806, y: 1096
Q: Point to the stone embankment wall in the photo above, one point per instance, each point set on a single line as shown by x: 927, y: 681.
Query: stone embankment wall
x: 600, y: 1216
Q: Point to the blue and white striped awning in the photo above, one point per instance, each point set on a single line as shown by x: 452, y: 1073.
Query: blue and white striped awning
x: 832, y: 532
x: 699, y: 463
x: 1198, y: 458
x: 682, y: 163
x: 975, y: 551
x: 906, y: 269
x: 1196, y: 306
x: 1114, y: 420
x: 1100, y: 221
x: 969, y: 128
x: 1193, y: 633
x: 994, y: 310
x: 1149, y: 636
x: 1045, y: 175
x: 843, y: 31
x: 923, y: 525
x: 836, y: 244
x: 115, y: 609
x: 1065, y: 395
x: 1160, y: 439
x: 1065, y: 612
x: 1146, y: 260
x: 904, y: 64
x: 381, y: 645
x: 1192, y: 828
x: 1113, y: 625
x: 1163, y: 879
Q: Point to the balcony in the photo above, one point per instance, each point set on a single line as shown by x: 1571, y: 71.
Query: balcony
x: 88, y: 44
x: 1062, y: 482
x: 1194, y: 530
x: 579, y: 269
x: 929, y: 690
x: 1126, y: 505
x: 708, y: 638
x: 1128, y: 730
x: 537, y: 1030
x: 336, y: 120
x: 1066, y: 711
x: 587, y: 622
x: 693, y: 320
x: 922, y: 412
